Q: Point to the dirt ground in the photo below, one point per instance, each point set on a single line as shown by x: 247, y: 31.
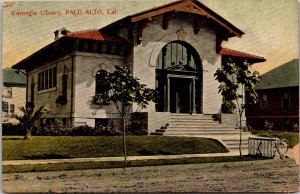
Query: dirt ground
x: 252, y: 176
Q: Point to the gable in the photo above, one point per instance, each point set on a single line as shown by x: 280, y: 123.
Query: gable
x: 186, y: 6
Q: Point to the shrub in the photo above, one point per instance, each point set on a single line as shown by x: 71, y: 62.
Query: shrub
x: 228, y: 107
x: 10, y: 129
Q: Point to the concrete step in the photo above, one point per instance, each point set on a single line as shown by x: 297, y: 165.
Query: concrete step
x: 198, y: 133
x: 188, y: 122
x: 198, y: 128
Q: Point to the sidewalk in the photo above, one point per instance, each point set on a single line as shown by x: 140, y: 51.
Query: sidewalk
x: 121, y: 158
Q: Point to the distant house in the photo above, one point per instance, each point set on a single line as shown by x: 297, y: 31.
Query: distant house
x: 278, y: 103
x: 13, y: 93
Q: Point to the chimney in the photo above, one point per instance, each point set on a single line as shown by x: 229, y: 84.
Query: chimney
x: 60, y: 33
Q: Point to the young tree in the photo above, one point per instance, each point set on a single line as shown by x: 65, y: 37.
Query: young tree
x: 235, y: 78
x: 30, y: 117
x: 124, y: 90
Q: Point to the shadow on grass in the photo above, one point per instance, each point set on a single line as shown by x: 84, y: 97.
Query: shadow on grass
x: 146, y: 152
x: 12, y: 138
x: 46, y: 156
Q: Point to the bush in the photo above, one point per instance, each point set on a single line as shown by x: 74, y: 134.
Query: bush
x: 228, y: 107
x: 10, y: 129
x: 54, y: 129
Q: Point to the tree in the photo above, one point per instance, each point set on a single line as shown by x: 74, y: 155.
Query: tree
x: 30, y: 117
x: 235, y: 78
x: 124, y: 90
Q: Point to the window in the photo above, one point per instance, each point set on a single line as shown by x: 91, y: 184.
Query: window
x: 12, y: 109
x: 286, y: 100
x: 8, y: 92
x: 47, y: 79
x: 4, y: 106
x: 101, y: 82
x: 175, y: 53
x: 264, y: 101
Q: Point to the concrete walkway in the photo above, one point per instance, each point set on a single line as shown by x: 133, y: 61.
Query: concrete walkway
x: 110, y: 159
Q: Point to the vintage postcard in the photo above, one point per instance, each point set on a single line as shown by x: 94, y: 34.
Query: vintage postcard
x: 150, y: 96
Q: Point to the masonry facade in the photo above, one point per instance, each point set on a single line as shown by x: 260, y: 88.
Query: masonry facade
x: 175, y: 48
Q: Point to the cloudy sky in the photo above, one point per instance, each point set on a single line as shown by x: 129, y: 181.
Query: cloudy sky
x: 270, y: 26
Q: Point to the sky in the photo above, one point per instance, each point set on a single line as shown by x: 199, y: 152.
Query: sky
x: 270, y: 26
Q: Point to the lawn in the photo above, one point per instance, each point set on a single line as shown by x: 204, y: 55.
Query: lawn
x: 45, y: 147
x: 118, y: 164
x: 291, y: 137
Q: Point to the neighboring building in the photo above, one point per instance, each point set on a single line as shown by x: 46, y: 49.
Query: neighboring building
x: 278, y: 101
x: 175, y: 48
x: 13, y: 93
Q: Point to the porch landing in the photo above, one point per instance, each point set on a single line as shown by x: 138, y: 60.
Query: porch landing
x: 199, y: 125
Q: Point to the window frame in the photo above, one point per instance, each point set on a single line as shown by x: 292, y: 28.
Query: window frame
x: 264, y: 104
x: 50, y: 84
x: 12, y: 109
x: 288, y: 100
x: 8, y: 92
x: 5, y: 104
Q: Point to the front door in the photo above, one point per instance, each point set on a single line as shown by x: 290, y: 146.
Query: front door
x: 180, y: 95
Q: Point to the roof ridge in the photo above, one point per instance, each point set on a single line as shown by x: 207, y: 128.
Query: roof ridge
x: 81, y: 31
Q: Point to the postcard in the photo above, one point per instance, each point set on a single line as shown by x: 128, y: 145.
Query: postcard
x: 150, y: 96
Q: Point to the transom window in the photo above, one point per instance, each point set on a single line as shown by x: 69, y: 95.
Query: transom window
x: 47, y: 79
x: 175, y: 53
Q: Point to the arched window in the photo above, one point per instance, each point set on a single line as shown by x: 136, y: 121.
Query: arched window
x: 101, y: 82
x: 175, y: 53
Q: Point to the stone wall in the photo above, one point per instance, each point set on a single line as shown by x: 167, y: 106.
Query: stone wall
x: 48, y: 98
x: 87, y: 65
x: 155, y: 38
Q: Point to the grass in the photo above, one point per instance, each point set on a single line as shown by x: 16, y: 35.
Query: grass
x: 291, y: 137
x: 49, y: 147
x: 115, y: 164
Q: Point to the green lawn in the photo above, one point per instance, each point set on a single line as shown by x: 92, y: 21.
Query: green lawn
x: 135, y: 163
x: 45, y: 147
x: 291, y: 137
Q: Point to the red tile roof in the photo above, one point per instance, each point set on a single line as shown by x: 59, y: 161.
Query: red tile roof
x: 97, y: 35
x: 233, y: 53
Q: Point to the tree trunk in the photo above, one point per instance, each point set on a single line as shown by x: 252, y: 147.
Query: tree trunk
x: 124, y: 144
x: 240, y: 146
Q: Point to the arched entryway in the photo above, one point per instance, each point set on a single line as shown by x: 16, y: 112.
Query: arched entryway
x: 179, y: 79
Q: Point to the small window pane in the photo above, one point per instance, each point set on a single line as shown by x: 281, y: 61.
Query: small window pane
x: 12, y: 108
x: 50, y: 78
x: 46, y: 80
x: 5, y: 107
x: 286, y: 100
x: 54, y: 76
x: 43, y: 81
x: 39, y: 82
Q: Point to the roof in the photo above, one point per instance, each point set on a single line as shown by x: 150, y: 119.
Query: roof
x: 11, y: 77
x: 190, y: 6
x: 286, y: 75
x: 96, y: 35
x: 239, y: 54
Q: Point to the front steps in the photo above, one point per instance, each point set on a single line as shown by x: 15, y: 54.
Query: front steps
x: 198, y: 125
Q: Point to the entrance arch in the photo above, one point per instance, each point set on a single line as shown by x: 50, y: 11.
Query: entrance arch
x: 179, y: 79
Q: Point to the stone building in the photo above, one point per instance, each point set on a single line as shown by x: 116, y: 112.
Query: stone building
x: 175, y: 48
x: 13, y: 94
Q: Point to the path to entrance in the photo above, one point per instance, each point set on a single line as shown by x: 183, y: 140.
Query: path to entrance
x: 248, y: 176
